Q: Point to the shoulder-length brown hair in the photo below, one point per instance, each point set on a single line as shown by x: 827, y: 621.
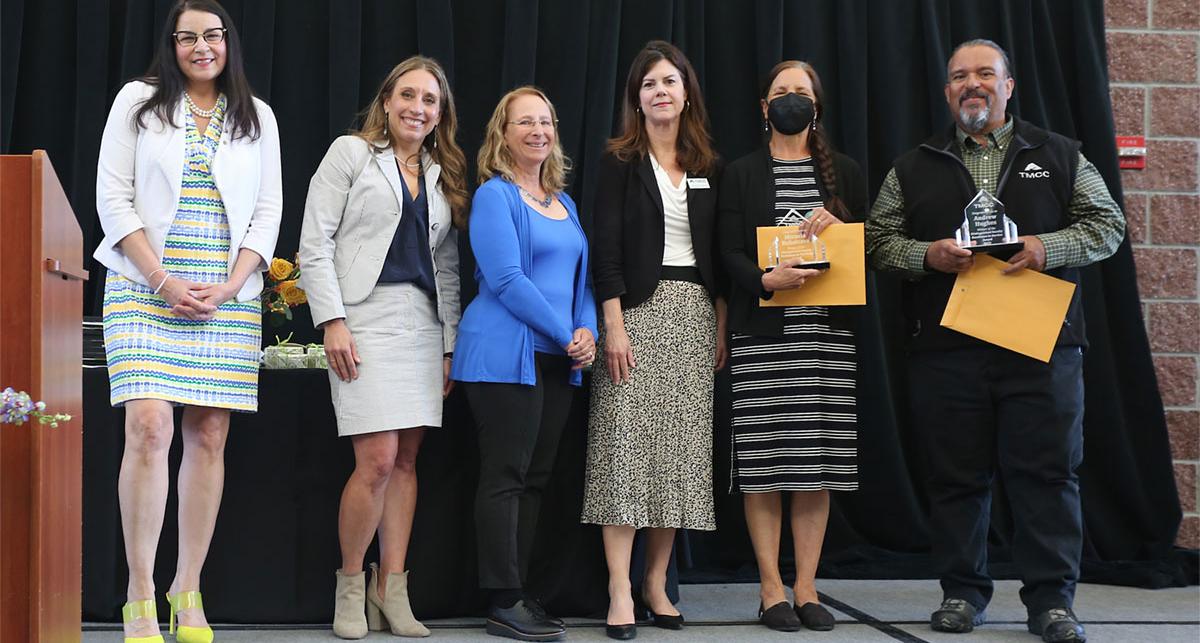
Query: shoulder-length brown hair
x: 440, y: 144
x: 818, y: 141
x: 494, y: 158
x: 693, y: 146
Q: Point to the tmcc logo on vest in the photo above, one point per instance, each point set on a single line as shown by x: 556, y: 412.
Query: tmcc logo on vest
x: 1034, y: 171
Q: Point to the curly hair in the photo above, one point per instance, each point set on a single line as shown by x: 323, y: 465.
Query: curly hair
x: 495, y: 159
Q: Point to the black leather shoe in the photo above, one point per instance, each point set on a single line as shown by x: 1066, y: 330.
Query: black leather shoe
x: 779, y: 617
x: 956, y: 616
x: 814, y: 616
x: 664, y: 621
x: 536, y: 607
x: 1057, y: 625
x: 621, y: 632
x: 522, y: 623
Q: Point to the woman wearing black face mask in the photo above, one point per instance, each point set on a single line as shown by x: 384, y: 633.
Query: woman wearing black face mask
x: 793, y: 368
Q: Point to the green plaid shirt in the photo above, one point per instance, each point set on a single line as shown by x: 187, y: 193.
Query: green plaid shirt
x: 1096, y: 222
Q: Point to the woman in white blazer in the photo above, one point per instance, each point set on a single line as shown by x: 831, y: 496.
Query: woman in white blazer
x: 189, y: 197
x: 379, y: 257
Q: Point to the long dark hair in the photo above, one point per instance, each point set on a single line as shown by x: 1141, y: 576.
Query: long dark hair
x: 169, y: 82
x: 439, y: 144
x: 818, y: 141
x: 693, y: 146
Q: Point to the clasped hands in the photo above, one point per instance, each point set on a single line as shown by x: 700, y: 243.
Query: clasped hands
x: 194, y: 300
x: 582, y: 349
x: 945, y: 255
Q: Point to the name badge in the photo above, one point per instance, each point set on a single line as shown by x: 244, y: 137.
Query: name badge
x: 698, y: 183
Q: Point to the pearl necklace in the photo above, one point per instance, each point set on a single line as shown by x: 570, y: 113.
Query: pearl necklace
x: 545, y: 203
x: 195, y: 109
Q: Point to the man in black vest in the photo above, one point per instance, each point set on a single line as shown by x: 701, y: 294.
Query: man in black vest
x: 977, y: 406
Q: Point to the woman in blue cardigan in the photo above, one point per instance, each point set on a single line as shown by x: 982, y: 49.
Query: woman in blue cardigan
x: 521, y: 344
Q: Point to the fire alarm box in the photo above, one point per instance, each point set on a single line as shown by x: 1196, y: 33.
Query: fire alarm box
x: 1131, y: 152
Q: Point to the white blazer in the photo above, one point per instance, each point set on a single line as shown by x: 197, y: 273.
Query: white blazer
x: 350, y: 218
x: 140, y: 172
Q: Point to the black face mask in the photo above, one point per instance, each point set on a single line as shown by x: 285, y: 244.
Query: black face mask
x: 791, y: 113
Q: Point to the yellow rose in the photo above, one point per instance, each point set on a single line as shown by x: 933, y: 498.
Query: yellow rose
x: 292, y: 295
x: 280, y: 269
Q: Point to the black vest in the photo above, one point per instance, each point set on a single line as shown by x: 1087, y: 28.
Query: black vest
x: 1035, y: 186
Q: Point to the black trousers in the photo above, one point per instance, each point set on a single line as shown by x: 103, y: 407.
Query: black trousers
x: 979, y: 409
x: 518, y: 428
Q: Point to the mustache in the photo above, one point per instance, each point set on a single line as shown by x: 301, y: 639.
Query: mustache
x: 974, y: 93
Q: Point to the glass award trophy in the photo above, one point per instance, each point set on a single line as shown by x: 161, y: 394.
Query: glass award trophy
x: 793, y: 243
x: 985, y: 227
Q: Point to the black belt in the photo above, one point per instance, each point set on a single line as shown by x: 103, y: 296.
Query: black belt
x: 681, y: 273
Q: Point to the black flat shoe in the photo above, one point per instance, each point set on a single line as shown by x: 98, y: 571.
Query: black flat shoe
x: 956, y: 616
x: 1057, y: 625
x: 538, y: 609
x: 522, y: 623
x: 621, y: 632
x: 814, y: 616
x: 779, y: 617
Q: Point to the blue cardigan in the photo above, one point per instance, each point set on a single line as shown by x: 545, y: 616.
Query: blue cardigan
x: 495, y: 336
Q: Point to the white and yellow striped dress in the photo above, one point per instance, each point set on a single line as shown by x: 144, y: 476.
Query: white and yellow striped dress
x: 154, y: 354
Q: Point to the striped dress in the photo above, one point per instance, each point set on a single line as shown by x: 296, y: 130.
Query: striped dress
x: 154, y: 354
x: 795, y: 426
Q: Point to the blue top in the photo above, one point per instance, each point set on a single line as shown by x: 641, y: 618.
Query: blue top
x: 556, y: 246
x: 409, y: 258
x: 496, y: 335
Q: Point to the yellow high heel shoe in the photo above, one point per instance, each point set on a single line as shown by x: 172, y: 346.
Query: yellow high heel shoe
x: 141, y: 609
x: 188, y: 633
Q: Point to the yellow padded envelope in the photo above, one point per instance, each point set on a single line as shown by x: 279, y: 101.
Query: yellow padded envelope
x: 1022, y: 312
x: 844, y: 284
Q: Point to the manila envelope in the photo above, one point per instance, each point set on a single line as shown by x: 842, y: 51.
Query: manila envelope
x: 1022, y: 312
x: 844, y: 284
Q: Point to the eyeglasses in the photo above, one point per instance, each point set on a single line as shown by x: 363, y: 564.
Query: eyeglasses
x: 529, y: 123
x: 190, y: 38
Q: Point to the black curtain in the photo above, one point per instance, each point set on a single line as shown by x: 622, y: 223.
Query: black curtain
x: 883, y: 67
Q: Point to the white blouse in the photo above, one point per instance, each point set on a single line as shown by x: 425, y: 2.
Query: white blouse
x: 677, y: 246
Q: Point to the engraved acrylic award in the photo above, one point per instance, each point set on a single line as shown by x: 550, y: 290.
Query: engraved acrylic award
x: 792, y: 243
x: 985, y: 227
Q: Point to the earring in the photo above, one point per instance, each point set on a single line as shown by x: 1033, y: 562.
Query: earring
x: 766, y: 126
x: 638, y: 109
x: 686, y: 103
x: 385, y: 122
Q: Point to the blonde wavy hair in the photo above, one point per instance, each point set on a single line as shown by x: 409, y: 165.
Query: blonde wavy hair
x: 440, y: 144
x: 495, y: 159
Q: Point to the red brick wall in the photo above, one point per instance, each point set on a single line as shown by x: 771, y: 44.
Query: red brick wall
x: 1153, y: 51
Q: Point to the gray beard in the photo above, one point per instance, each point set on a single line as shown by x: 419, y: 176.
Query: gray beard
x: 974, y: 124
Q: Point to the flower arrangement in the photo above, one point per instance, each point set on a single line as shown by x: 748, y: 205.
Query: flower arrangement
x: 16, y: 407
x: 281, y: 294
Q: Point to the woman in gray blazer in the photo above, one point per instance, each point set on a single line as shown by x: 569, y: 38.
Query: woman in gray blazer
x: 380, y: 265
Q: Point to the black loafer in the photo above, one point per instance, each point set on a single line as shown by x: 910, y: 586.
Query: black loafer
x: 780, y: 617
x: 621, y: 632
x: 814, y: 616
x: 1057, y: 625
x: 522, y: 623
x: 956, y: 616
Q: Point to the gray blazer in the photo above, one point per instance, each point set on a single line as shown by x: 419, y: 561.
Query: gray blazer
x: 350, y: 217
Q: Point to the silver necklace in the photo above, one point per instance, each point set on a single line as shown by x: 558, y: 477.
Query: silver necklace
x: 545, y: 203
x: 195, y: 109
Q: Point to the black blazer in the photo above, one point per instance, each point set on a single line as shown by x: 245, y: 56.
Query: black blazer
x: 628, y: 232
x: 747, y: 200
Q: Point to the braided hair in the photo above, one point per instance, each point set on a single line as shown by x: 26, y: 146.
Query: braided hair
x: 818, y: 142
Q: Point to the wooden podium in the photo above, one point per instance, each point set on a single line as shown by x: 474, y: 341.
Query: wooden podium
x: 41, y: 346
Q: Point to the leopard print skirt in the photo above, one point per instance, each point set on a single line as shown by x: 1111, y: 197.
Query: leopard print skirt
x: 649, y: 457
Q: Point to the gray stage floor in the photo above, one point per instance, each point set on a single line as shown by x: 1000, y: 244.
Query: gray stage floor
x: 867, y: 611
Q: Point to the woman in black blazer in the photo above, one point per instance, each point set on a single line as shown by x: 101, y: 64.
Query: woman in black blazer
x: 658, y: 281
x: 792, y: 368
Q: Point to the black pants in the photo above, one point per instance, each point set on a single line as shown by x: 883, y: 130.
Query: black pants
x: 977, y: 409
x: 519, y: 428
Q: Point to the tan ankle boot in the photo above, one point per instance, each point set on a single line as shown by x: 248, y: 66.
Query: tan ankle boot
x: 392, y: 609
x: 349, y: 619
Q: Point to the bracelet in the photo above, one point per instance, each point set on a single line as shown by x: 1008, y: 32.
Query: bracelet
x: 150, y: 276
x: 162, y: 283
